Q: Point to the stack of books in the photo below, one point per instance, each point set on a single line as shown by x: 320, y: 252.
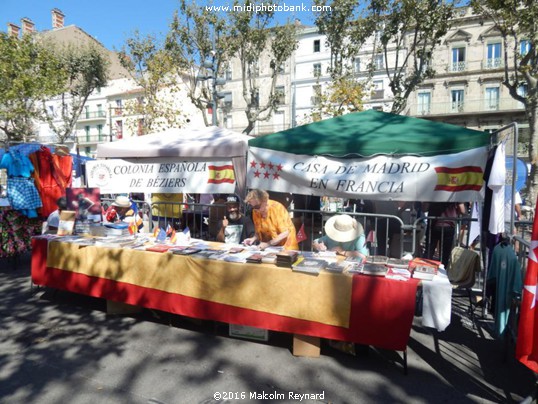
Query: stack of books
x: 377, y: 259
x: 117, y: 229
x: 269, y: 258
x: 255, y: 258
x: 309, y: 265
x: 286, y: 258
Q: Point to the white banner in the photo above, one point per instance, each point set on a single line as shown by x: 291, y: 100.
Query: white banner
x: 161, y: 175
x: 449, y: 177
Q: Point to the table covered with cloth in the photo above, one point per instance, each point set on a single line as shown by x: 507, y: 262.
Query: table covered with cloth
x: 363, y: 309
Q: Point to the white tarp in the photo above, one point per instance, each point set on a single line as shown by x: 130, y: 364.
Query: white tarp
x: 149, y: 157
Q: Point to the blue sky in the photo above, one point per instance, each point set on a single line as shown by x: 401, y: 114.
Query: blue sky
x: 110, y: 21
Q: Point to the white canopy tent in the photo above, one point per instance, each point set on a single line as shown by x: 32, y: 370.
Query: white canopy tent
x: 155, y: 162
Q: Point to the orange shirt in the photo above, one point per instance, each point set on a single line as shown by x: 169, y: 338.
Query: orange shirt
x: 277, y: 221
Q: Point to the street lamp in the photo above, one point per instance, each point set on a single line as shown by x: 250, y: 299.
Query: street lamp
x: 216, y: 81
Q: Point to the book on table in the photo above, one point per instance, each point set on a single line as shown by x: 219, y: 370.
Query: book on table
x: 398, y: 263
x: 356, y: 264
x: 186, y: 251
x: 400, y: 274
x: 309, y: 265
x: 377, y: 259
x: 374, y: 269
x: 255, y: 258
x: 338, y: 266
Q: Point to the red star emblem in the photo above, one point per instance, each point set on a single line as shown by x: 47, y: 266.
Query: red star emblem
x: 276, y: 176
x: 266, y: 175
x: 271, y: 166
x: 256, y: 174
x: 253, y: 164
x: 279, y: 167
x: 262, y: 165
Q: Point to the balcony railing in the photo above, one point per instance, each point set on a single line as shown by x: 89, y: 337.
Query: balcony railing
x: 458, y: 66
x: 91, y: 115
x: 92, y: 139
x: 466, y: 107
x: 493, y: 63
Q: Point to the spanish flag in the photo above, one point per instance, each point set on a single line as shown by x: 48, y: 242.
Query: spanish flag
x: 221, y: 174
x: 468, y: 178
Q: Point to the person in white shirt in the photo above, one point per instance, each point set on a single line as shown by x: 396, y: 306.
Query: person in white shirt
x: 53, y: 221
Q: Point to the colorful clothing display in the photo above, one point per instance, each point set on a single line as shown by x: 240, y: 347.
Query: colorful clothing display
x: 21, y: 191
x: 16, y: 231
x: 53, y: 174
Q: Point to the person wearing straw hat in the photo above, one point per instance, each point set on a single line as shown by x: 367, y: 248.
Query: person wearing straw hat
x: 121, y: 210
x: 344, y: 235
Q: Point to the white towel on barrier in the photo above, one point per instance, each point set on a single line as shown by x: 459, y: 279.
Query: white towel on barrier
x: 437, y: 302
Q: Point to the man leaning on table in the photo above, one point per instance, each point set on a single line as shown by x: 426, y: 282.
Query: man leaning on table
x: 272, y: 222
x: 344, y: 235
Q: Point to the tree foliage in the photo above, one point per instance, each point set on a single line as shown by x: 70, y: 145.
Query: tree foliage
x: 81, y: 70
x: 152, y: 69
x: 342, y: 96
x: 198, y: 36
x: 255, y: 41
x: 411, y: 30
x: 517, y: 23
x: 344, y: 32
x: 29, y: 73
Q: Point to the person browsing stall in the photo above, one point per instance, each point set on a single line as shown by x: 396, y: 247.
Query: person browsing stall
x: 272, y: 222
x: 121, y: 210
x: 234, y: 227
x: 344, y: 235
x: 53, y: 221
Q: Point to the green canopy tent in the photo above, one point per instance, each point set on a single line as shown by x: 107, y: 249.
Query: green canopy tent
x: 372, y: 155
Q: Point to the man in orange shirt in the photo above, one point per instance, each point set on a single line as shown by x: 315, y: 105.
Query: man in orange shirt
x: 272, y: 222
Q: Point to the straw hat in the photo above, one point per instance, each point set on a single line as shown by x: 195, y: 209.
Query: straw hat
x: 343, y: 228
x: 122, y: 202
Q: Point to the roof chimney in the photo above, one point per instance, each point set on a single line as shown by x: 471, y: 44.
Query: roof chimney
x: 28, y: 26
x: 13, y: 30
x: 57, y: 18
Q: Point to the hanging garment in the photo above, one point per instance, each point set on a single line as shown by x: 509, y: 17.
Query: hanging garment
x: 21, y: 191
x: 17, y: 164
x: 505, y: 270
x: 53, y: 174
x: 496, y: 183
x: 16, y: 232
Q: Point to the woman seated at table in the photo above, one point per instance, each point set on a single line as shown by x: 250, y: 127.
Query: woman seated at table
x: 344, y: 235
x: 272, y: 222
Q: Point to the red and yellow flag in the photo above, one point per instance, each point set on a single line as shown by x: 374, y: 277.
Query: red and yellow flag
x: 221, y: 174
x: 468, y: 178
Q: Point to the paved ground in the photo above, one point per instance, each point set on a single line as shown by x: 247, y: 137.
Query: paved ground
x: 57, y: 347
